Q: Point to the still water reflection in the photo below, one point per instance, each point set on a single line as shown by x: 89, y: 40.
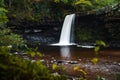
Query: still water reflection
x: 73, y: 52
x: 65, y: 52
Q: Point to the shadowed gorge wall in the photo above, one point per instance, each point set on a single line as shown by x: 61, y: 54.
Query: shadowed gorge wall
x: 88, y: 28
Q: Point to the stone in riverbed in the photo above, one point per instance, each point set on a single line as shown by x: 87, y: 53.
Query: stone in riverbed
x: 33, y: 61
x: 114, y: 63
x: 60, y: 61
x: 79, y: 59
x: 73, y: 62
x: 25, y: 57
x: 118, y: 64
x: 16, y: 53
x: 55, y: 74
x: 42, y: 60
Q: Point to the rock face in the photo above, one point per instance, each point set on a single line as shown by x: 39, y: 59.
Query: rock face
x: 99, y: 27
x: 88, y: 28
x: 43, y: 32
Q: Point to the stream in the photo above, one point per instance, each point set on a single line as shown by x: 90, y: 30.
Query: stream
x: 107, y: 66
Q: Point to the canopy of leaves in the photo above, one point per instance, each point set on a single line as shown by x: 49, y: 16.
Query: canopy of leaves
x: 38, y: 9
x: 3, y: 17
x: 6, y: 37
x: 1, y: 3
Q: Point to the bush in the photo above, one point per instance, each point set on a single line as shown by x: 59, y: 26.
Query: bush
x: 10, y: 39
x: 15, y: 68
x: 6, y: 37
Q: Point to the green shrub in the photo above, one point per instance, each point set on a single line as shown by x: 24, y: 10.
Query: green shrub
x: 7, y: 38
x: 15, y: 68
x: 10, y: 39
x: 3, y: 17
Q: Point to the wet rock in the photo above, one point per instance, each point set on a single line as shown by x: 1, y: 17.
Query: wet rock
x: 53, y: 61
x: 114, y: 63
x: 42, y: 60
x: 23, y: 53
x: 57, y: 61
x: 33, y: 61
x: 86, y: 65
x: 103, y: 79
x: 55, y: 28
x: 16, y: 53
x: 73, y: 62
x: 25, y: 57
x: 75, y: 78
x: 55, y: 74
x: 103, y: 68
x: 79, y: 59
x: 107, y: 70
x: 66, y: 63
x: 118, y: 64
x: 60, y: 61
x: 52, y: 58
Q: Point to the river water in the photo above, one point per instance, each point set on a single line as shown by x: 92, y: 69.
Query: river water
x: 74, y: 52
x: 108, y: 65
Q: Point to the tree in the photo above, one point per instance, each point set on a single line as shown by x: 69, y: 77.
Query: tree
x: 103, y: 3
x: 82, y: 5
x: 6, y: 37
x: 3, y: 16
x: 39, y: 9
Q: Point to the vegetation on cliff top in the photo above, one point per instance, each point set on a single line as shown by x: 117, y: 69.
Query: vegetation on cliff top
x: 39, y: 9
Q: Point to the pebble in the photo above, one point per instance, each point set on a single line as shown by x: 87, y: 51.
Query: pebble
x: 73, y: 62
x: 60, y: 61
x: 115, y: 63
x: 118, y: 64
x: 52, y: 58
x: 42, y: 60
x: 107, y: 70
x: 33, y: 61
x: 66, y: 63
x: 86, y: 65
x: 53, y: 61
x: 26, y: 58
x: 16, y: 53
x: 79, y: 59
x: 55, y: 74
x: 103, y: 79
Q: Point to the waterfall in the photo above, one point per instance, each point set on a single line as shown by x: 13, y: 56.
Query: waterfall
x: 66, y: 35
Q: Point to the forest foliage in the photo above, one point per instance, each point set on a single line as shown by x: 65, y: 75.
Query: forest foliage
x: 7, y: 38
x: 13, y: 67
x: 39, y: 9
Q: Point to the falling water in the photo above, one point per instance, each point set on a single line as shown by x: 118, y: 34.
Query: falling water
x: 66, y: 35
